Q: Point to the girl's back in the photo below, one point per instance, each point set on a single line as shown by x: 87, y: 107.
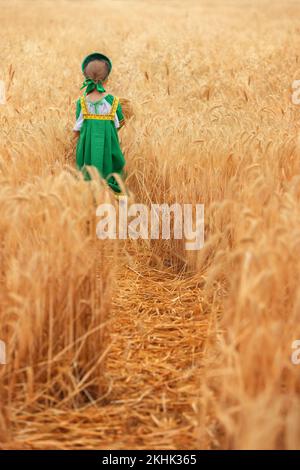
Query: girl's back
x: 99, y: 116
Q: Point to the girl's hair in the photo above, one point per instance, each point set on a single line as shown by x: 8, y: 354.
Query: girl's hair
x: 97, y: 70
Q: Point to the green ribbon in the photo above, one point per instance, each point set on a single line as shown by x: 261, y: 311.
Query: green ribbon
x: 90, y: 86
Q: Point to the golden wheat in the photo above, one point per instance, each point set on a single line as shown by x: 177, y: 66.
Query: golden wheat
x: 185, y: 350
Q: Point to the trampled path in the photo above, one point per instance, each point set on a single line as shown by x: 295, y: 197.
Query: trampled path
x: 152, y: 372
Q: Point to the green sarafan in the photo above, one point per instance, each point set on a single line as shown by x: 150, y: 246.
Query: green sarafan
x: 143, y: 344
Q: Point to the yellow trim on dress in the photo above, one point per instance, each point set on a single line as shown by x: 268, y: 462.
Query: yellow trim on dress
x: 101, y: 117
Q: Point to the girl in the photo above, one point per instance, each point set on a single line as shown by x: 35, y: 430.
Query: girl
x: 99, y: 117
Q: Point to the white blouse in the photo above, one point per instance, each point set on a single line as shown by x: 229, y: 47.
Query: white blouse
x: 99, y: 107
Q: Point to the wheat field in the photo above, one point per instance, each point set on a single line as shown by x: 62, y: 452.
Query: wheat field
x: 144, y: 345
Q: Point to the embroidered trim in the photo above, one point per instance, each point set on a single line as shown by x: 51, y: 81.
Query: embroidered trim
x: 101, y: 117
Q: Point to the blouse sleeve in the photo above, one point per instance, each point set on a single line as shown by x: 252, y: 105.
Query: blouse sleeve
x: 79, y: 117
x: 120, y: 116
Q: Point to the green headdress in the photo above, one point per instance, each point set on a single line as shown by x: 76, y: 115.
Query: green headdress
x: 88, y: 83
